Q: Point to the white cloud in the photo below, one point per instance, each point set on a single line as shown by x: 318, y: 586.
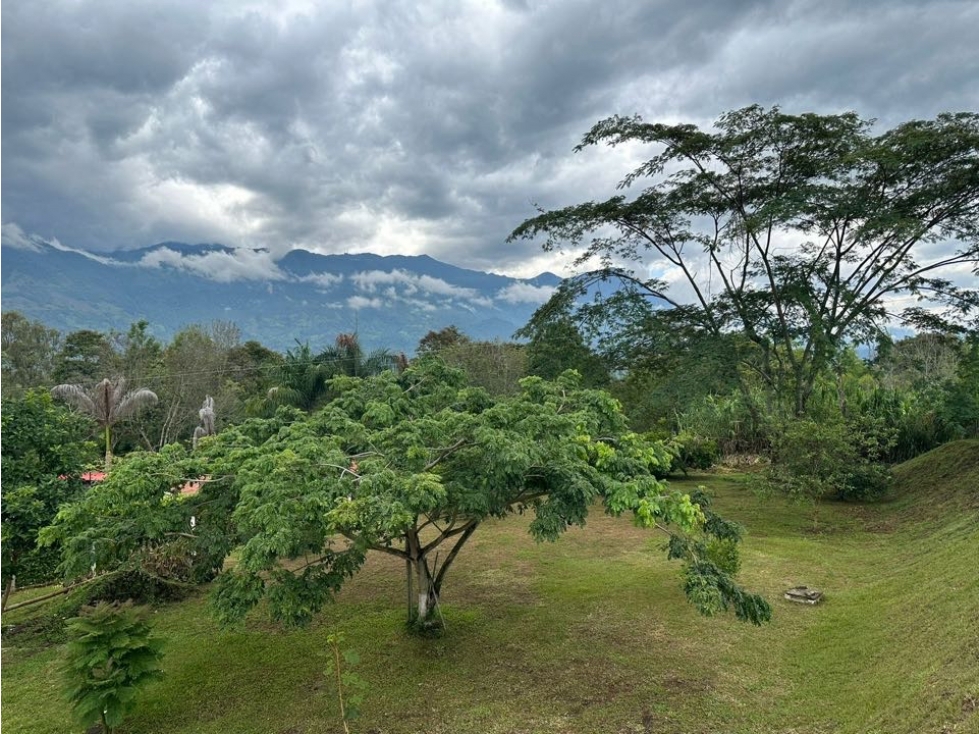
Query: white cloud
x: 359, y: 302
x: 219, y: 265
x: 323, y: 280
x: 371, y: 281
x: 14, y: 236
x: 525, y: 293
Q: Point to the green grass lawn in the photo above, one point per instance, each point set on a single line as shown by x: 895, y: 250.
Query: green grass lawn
x: 592, y: 633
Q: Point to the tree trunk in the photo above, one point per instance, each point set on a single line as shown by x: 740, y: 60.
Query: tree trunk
x: 427, y: 597
x: 108, y: 448
x: 9, y: 590
x: 423, y: 604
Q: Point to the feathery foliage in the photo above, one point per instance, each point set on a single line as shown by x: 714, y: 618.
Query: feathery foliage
x: 792, y: 230
x: 208, y: 426
x: 108, y: 404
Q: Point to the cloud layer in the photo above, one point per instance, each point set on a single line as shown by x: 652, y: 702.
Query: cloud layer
x: 410, y: 127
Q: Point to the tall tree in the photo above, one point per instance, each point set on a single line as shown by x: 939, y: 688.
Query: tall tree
x: 84, y: 356
x: 796, y: 230
x: 300, y: 381
x: 29, y: 352
x: 197, y: 363
x: 435, y: 341
x: 347, y: 357
x: 303, y: 377
x: 496, y: 366
x: 558, y: 345
x: 108, y: 403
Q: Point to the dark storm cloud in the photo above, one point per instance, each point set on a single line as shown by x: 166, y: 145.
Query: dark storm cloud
x: 411, y: 127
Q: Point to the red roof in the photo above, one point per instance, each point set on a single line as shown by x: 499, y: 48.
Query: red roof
x: 189, y: 488
x: 194, y: 486
x: 87, y: 476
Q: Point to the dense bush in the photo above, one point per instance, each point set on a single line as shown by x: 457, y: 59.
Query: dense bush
x: 694, y: 452
x: 733, y: 423
x: 812, y: 460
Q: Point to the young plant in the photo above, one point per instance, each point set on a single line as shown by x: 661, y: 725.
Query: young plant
x: 111, y: 655
x: 351, y: 688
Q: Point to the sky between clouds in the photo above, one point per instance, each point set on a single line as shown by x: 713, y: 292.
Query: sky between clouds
x: 412, y: 127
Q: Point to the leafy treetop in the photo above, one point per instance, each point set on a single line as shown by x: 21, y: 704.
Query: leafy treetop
x: 409, y: 465
x: 794, y: 230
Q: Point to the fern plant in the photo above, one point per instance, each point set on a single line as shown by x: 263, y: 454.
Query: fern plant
x: 111, y: 655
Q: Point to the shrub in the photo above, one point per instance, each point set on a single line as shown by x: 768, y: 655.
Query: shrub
x: 694, y: 452
x: 812, y: 460
x: 110, y: 657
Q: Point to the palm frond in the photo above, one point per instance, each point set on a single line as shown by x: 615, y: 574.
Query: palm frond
x: 282, y: 395
x: 378, y: 361
x: 133, y: 401
x: 74, y: 395
x: 208, y: 417
x: 118, y: 391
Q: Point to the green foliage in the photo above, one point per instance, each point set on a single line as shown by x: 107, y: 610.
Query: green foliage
x: 558, y: 345
x: 302, y: 379
x: 812, y: 460
x: 717, y: 207
x: 137, y: 522
x: 85, y: 356
x: 28, y: 355
x: 350, y: 687
x: 693, y: 451
x: 495, y: 366
x: 435, y: 341
x: 110, y: 657
x: 44, y: 452
x: 396, y: 463
x: 733, y: 422
x: 396, y: 454
x: 196, y: 363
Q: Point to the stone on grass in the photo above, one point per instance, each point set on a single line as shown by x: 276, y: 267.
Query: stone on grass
x: 804, y: 595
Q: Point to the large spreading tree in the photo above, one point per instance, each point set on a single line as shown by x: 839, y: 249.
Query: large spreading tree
x: 801, y: 232
x: 409, y: 465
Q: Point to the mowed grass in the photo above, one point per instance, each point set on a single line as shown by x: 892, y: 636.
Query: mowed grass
x: 592, y: 633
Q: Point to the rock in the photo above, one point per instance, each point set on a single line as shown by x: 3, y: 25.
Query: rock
x: 804, y: 595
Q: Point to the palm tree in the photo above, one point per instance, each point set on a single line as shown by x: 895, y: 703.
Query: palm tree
x: 347, y: 357
x: 108, y: 403
x: 302, y: 381
x: 303, y: 376
x: 208, y: 426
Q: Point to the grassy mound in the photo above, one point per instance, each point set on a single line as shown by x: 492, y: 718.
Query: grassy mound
x: 940, y: 482
x: 591, y: 634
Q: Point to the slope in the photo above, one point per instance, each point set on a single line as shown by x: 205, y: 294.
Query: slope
x: 591, y: 634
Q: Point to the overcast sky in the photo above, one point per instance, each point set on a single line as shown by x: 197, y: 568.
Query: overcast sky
x: 412, y: 127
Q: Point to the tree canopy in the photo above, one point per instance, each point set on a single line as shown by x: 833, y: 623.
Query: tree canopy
x: 409, y: 465
x: 797, y: 231
x: 44, y: 453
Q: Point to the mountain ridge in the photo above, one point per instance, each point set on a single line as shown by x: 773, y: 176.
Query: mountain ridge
x: 392, y: 301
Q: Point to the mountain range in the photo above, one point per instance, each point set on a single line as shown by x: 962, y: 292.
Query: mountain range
x: 389, y: 301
